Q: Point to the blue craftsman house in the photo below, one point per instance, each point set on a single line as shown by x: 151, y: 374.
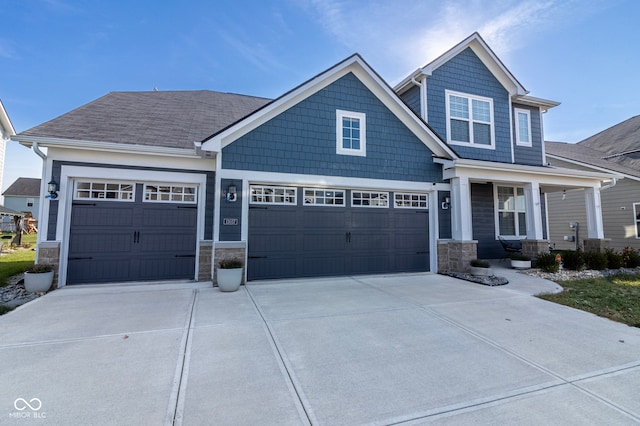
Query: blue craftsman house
x: 342, y: 175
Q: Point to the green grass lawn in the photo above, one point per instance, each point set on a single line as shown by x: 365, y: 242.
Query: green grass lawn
x: 18, y: 260
x: 616, y: 297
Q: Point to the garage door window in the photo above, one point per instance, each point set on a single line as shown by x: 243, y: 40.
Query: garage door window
x: 324, y: 197
x: 108, y: 191
x: 261, y: 194
x: 369, y: 199
x: 407, y: 200
x: 168, y: 193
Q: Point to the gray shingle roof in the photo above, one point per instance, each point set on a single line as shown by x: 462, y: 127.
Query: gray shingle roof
x: 619, y: 143
x: 24, y: 187
x: 586, y: 155
x: 173, y: 119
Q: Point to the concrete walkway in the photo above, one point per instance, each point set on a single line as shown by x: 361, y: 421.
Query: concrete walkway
x: 401, y: 349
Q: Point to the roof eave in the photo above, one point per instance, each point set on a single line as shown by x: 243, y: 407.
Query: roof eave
x: 5, y: 122
x: 543, y: 104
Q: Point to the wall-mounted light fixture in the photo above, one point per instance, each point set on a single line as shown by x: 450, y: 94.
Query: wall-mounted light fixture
x: 232, y: 194
x: 446, y: 203
x: 52, y: 189
x: 564, y: 194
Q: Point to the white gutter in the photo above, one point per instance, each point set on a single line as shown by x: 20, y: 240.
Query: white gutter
x: 614, y: 182
x: 36, y: 149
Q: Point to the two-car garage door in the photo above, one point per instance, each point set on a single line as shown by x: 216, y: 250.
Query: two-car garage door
x: 308, y: 232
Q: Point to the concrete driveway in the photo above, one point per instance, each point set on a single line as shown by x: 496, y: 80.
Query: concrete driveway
x: 409, y: 349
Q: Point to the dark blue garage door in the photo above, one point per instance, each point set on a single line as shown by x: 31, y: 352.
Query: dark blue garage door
x: 116, y: 241
x: 311, y: 240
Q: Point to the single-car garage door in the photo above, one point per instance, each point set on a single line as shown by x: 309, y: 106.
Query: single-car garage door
x: 131, y: 232
x: 309, y: 232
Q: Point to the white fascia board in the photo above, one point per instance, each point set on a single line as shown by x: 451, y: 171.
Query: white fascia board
x: 104, y: 146
x: 488, y: 58
x: 322, y: 181
x: 367, y: 76
x: 504, y: 172
x: 543, y: 104
x: 5, y: 122
x: 591, y: 166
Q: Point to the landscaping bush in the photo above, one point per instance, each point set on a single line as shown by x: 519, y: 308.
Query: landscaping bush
x: 630, y: 257
x: 546, y: 262
x: 614, y: 259
x: 478, y: 263
x: 572, y: 260
x: 597, y: 260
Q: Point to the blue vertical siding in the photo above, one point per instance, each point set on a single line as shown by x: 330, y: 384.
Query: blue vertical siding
x: 230, y: 210
x: 483, y: 221
x: 467, y: 74
x: 524, y: 154
x: 302, y: 140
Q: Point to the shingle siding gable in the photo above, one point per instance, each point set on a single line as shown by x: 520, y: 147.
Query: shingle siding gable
x: 302, y: 140
x: 530, y: 155
x: 466, y: 73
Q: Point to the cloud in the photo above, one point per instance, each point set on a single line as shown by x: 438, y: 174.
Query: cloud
x: 408, y: 34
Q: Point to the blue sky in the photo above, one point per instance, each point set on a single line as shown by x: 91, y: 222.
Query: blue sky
x: 56, y: 55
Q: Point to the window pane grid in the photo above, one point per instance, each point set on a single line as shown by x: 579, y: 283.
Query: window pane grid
x: 261, y: 194
x: 369, y: 199
x: 167, y: 193
x: 324, y: 197
x: 512, y: 219
x: 112, y: 191
x: 465, y: 128
x: 411, y: 200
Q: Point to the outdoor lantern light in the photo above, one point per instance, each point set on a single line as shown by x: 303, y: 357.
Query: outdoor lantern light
x: 446, y: 203
x: 52, y: 188
x: 232, y: 195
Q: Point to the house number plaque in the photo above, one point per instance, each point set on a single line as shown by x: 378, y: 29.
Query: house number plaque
x: 230, y: 221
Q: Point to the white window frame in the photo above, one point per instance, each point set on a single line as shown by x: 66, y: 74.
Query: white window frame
x: 362, y: 151
x: 519, y: 141
x: 520, y: 233
x: 175, y: 196
x: 319, y: 197
x: 91, y: 182
x: 636, y: 218
x: 470, y: 120
x: 30, y: 201
x: 411, y: 200
x: 286, y: 199
x: 382, y: 198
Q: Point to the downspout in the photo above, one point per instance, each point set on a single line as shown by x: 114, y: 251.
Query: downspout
x: 613, y: 183
x: 423, y: 97
x: 36, y: 149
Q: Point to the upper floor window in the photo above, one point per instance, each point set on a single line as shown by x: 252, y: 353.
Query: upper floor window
x: 469, y: 120
x: 636, y: 215
x: 511, y: 211
x: 30, y: 202
x: 351, y: 133
x: 523, y: 127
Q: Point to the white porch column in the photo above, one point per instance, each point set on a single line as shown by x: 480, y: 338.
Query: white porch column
x: 533, y: 211
x: 595, y: 229
x: 461, y: 229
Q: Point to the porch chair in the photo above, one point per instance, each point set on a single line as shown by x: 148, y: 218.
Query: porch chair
x: 510, y: 246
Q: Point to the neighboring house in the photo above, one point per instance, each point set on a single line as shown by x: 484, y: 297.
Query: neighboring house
x: 615, y: 150
x: 341, y: 175
x: 6, y: 131
x: 23, y: 195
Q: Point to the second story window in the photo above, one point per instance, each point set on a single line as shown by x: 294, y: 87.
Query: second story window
x: 469, y: 120
x: 523, y: 127
x: 351, y: 133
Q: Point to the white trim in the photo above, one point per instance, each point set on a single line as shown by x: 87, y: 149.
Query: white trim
x: 273, y: 195
x: 366, y: 75
x: 544, y: 147
x: 424, y: 102
x: 362, y: 120
x: 171, y: 193
x: 519, y: 140
x: 410, y: 194
x: 68, y: 174
x: 511, y: 145
x: 470, y: 98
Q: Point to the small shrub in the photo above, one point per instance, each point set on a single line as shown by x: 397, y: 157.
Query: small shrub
x: 597, y: 260
x: 630, y: 257
x: 614, y: 259
x: 478, y: 263
x: 546, y: 262
x: 230, y: 264
x: 519, y: 256
x: 39, y: 268
x: 572, y: 260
